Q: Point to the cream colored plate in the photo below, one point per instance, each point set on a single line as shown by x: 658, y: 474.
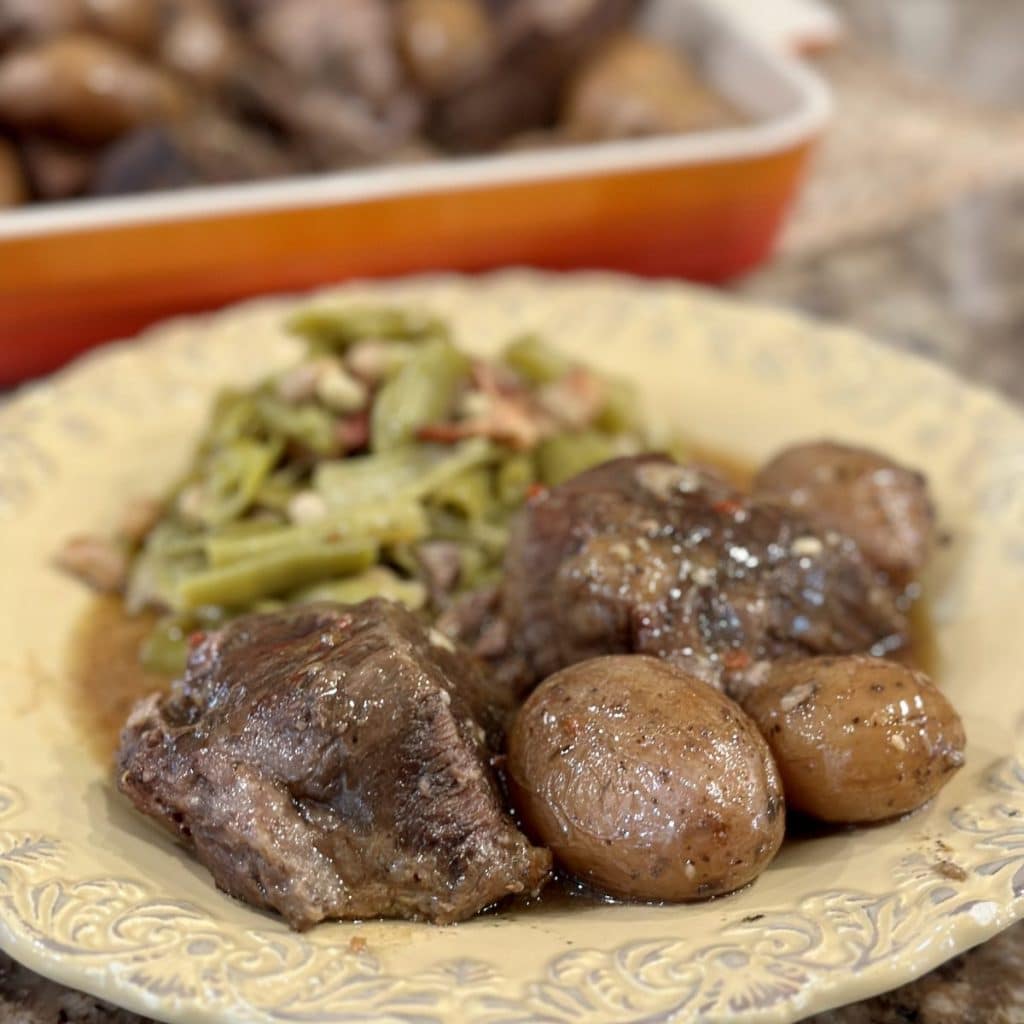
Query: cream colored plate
x: 95, y: 897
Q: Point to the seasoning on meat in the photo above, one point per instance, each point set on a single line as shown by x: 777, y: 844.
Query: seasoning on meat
x: 643, y: 556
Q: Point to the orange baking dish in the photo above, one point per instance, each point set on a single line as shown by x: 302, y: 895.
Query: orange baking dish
x: 705, y: 206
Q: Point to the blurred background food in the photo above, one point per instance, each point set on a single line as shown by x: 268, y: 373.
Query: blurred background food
x: 107, y: 97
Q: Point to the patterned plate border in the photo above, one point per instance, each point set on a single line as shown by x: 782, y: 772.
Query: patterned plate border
x: 121, y: 939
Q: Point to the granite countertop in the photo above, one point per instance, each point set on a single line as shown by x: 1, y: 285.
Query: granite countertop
x: 945, y: 280
x: 912, y: 227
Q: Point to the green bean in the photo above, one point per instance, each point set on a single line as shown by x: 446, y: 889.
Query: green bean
x: 246, y: 538
x: 422, y: 392
x: 234, y: 416
x: 565, y: 455
x: 243, y: 529
x: 158, y: 568
x: 174, y: 540
x: 279, y: 488
x: 365, y: 478
x: 226, y: 545
x: 534, y: 360
x: 329, y: 328
x: 231, y: 478
x: 490, y: 576
x: 621, y: 413
x: 165, y: 650
x: 468, y: 495
x: 490, y: 537
x: 381, y: 359
x: 307, y: 424
x: 376, y: 582
x: 473, y: 564
x: 388, y: 524
x: 240, y: 583
x: 408, y: 473
x: 514, y: 478
x: 403, y: 556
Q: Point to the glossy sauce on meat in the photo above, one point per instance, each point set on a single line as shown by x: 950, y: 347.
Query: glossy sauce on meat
x: 641, y: 555
x: 106, y: 678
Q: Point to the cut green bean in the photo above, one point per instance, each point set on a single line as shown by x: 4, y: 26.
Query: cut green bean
x: 376, y: 582
x: 306, y: 424
x: 232, y: 477
x: 241, y: 583
x: 403, y: 557
x: 473, y: 564
x: 234, y: 416
x: 329, y: 328
x: 243, y: 530
x: 490, y: 537
x: 174, y: 540
x: 535, y: 361
x: 402, y: 474
x: 422, y: 392
x: 388, y: 524
x: 469, y: 494
x: 514, y: 477
x: 272, y: 511
x: 565, y: 455
x: 367, y: 478
x: 158, y: 568
x: 165, y: 650
x: 621, y: 413
x: 279, y: 488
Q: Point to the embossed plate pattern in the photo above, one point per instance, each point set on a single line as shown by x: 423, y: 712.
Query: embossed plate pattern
x: 94, y: 896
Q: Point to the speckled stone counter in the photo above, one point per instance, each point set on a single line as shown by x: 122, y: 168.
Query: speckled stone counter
x: 945, y: 281
x: 949, y: 286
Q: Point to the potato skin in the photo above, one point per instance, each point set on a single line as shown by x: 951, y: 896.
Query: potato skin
x: 85, y: 88
x: 883, y: 506
x: 634, y: 86
x: 644, y: 781
x: 857, y: 739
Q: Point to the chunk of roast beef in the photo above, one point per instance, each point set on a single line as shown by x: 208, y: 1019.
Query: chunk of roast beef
x: 643, y: 555
x: 332, y: 762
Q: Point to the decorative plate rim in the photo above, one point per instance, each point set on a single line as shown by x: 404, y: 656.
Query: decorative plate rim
x: 774, y: 968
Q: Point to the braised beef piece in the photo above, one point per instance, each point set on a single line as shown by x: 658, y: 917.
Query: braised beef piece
x: 207, y: 149
x: 331, y: 762
x: 643, y: 555
x: 541, y: 43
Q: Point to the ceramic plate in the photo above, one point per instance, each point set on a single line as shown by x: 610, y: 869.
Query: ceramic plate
x: 96, y: 897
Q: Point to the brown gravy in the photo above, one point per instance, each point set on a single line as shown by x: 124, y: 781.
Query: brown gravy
x: 107, y: 678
